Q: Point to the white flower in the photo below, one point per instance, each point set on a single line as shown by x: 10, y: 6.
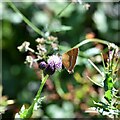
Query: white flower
x: 25, y: 47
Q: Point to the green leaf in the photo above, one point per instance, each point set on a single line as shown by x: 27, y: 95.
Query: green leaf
x: 98, y: 104
x: 60, y: 28
x: 101, y: 105
x: 108, y: 86
x: 65, y: 28
x: 26, y: 113
x: 108, y: 95
x: 108, y: 82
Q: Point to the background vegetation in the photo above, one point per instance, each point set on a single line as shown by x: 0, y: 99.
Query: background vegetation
x: 67, y: 95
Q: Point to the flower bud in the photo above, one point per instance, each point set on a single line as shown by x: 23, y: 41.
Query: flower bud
x: 50, y: 69
x: 40, y: 40
x: 42, y: 65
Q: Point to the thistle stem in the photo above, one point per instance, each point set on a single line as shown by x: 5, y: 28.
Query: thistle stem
x: 29, y: 111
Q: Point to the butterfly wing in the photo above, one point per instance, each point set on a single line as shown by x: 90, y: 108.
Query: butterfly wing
x: 65, y: 60
x: 69, y: 59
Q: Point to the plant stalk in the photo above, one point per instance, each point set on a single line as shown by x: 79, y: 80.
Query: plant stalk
x: 28, y: 112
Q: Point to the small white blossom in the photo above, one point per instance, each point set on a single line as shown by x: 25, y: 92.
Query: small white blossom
x: 30, y: 60
x: 25, y: 47
x: 40, y: 40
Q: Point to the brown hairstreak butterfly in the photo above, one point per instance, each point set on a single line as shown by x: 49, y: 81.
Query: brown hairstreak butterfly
x: 69, y: 59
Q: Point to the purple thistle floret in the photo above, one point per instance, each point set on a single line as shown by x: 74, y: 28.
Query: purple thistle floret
x: 50, y: 69
x: 56, y: 61
x: 42, y: 65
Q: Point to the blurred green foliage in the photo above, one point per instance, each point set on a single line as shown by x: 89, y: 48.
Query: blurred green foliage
x: 66, y: 95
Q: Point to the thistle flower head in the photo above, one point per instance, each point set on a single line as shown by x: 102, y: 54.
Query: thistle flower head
x: 56, y: 61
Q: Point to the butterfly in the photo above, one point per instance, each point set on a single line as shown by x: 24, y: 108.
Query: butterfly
x: 69, y: 59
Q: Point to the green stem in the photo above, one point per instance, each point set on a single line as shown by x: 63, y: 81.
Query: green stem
x: 85, y: 42
x: 57, y: 16
x: 25, y: 19
x: 63, y: 10
x: 40, y: 89
x: 29, y: 112
x: 91, y: 40
x: 103, y: 61
x: 58, y: 86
